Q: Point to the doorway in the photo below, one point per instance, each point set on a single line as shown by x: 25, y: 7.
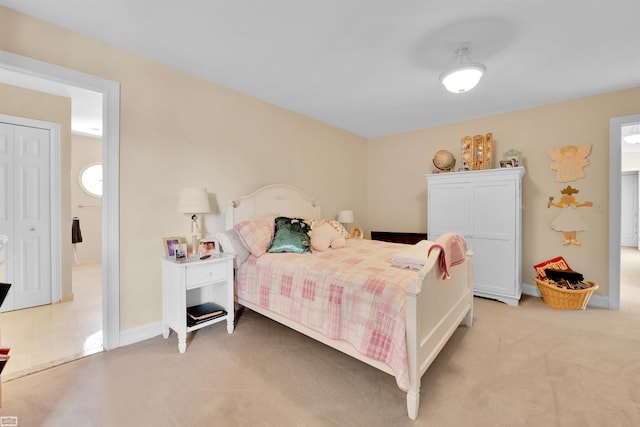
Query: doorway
x: 42, y: 334
x: 110, y: 92
x: 615, y: 206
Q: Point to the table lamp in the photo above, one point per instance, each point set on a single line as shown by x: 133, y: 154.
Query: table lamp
x: 345, y: 218
x: 193, y: 201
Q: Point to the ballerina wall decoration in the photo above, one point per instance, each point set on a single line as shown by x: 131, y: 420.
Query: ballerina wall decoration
x: 568, y: 220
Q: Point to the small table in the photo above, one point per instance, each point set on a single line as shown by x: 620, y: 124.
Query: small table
x: 193, y: 282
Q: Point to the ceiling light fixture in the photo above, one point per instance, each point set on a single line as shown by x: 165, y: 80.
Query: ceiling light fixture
x: 465, y: 75
x: 633, y: 137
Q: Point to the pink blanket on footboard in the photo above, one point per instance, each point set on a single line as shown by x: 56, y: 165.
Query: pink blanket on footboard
x: 351, y: 294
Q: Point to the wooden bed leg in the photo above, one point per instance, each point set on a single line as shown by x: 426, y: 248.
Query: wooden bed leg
x: 413, y: 403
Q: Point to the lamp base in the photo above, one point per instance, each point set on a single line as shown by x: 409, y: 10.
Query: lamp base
x: 194, y: 246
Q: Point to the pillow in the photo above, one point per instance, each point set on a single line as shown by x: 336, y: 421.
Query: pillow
x: 256, y: 234
x: 323, y: 236
x: 291, y: 235
x: 339, y: 228
x: 231, y: 244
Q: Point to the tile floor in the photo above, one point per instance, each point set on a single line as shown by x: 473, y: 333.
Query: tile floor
x: 630, y: 279
x: 49, y: 335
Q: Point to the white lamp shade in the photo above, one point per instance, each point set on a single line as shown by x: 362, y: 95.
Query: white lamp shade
x: 345, y: 217
x: 463, y: 78
x: 194, y: 200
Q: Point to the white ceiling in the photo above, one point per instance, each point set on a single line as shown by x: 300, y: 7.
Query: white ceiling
x: 372, y: 66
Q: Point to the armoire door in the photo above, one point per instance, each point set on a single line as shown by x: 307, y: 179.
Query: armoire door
x: 494, y: 236
x: 25, y: 214
x: 452, y: 212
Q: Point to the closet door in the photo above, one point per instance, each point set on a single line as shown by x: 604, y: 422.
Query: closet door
x: 6, y: 207
x: 26, y: 215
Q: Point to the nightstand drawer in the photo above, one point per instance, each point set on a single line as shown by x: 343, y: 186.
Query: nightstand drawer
x: 199, y: 274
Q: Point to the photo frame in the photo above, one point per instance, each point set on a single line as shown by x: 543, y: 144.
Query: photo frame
x: 356, y: 232
x: 170, y: 243
x: 181, y: 251
x: 207, y: 247
x: 506, y: 163
x: 514, y: 156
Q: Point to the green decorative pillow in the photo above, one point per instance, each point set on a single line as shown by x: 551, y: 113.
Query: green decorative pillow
x: 291, y: 235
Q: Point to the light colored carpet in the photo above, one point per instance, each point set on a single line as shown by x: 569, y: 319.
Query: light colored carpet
x: 517, y: 366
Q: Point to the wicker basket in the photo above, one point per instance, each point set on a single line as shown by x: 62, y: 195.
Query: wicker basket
x: 566, y: 298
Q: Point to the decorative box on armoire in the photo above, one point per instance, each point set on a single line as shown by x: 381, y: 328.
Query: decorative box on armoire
x: 485, y: 206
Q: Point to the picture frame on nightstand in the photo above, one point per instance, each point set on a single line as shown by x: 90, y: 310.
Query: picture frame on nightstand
x: 207, y: 247
x: 181, y: 251
x: 170, y: 244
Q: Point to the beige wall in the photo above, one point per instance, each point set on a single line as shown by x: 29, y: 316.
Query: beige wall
x: 177, y: 130
x: 86, y: 150
x: 19, y: 102
x: 397, y: 197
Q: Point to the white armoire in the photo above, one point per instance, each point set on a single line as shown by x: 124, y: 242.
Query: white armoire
x: 484, y: 206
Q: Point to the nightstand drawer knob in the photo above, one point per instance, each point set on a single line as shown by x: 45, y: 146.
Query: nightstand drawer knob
x: 198, y: 274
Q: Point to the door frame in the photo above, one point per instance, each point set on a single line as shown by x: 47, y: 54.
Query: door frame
x: 110, y: 91
x: 615, y: 201
x: 54, y: 193
x: 635, y: 174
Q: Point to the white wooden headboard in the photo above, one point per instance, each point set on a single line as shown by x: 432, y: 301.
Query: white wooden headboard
x: 272, y: 200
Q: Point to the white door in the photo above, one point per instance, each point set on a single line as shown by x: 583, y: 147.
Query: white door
x: 629, y: 209
x: 25, y: 214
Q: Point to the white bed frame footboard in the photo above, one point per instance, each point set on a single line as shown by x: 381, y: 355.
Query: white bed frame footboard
x: 434, y: 308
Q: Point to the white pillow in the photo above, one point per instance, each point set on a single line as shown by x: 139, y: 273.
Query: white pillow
x: 230, y: 243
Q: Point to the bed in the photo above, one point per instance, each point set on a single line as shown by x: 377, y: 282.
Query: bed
x: 361, y: 323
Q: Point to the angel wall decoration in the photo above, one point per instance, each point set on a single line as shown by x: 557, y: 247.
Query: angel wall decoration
x: 569, y: 221
x: 569, y: 162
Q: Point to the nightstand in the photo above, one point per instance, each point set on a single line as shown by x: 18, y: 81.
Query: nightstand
x: 185, y: 284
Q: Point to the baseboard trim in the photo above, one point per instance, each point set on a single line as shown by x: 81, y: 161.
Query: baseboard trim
x: 140, y: 333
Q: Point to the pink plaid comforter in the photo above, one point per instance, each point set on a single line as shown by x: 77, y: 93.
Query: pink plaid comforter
x: 351, y: 294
